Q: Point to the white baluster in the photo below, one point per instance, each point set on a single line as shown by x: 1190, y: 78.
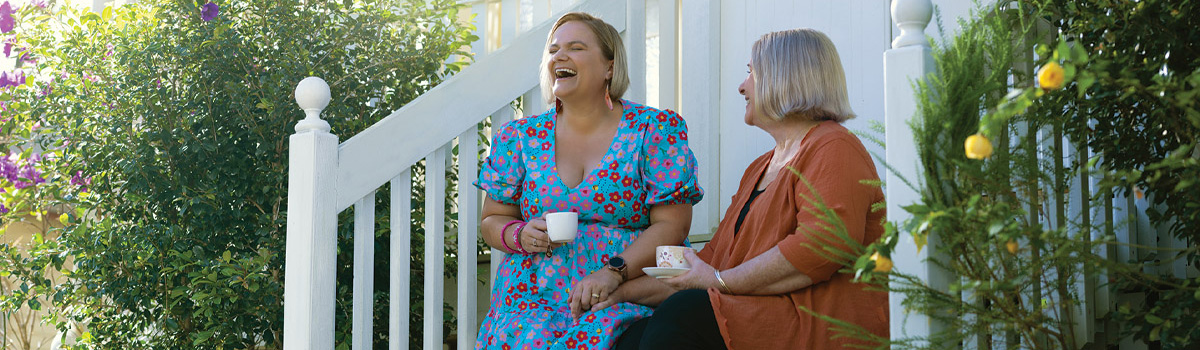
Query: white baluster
x: 468, y: 230
x: 435, y: 245
x: 668, y: 38
x: 401, y: 242
x: 908, y: 59
x: 364, y: 273
x: 700, y: 94
x: 635, y: 48
x: 312, y: 225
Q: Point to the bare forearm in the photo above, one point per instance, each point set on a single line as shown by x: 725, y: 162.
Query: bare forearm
x: 767, y: 274
x: 491, y: 228
x: 496, y: 215
x: 640, y: 253
x: 646, y: 291
x: 669, y: 226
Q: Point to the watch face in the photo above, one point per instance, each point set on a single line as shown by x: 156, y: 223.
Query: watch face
x: 616, y: 261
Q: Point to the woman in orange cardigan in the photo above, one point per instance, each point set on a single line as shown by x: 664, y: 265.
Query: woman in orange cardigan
x: 746, y: 287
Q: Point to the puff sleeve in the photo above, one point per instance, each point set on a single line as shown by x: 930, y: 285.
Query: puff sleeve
x: 667, y: 164
x: 503, y: 171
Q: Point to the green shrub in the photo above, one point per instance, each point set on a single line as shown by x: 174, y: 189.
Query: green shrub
x: 182, y: 125
x: 1013, y: 257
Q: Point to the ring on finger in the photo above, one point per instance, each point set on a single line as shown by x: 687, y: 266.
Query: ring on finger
x: 595, y: 295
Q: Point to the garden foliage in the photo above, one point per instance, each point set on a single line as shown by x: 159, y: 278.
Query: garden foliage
x: 1030, y: 101
x: 163, y: 126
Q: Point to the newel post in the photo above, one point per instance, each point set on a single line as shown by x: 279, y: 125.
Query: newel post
x: 311, y: 225
x: 909, y: 59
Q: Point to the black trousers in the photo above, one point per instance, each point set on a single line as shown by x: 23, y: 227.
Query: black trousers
x: 683, y: 321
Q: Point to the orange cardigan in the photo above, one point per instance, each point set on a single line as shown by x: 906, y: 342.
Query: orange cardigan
x: 834, y: 161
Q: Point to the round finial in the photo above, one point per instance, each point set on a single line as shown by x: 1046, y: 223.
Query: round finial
x: 312, y: 94
x: 912, y: 16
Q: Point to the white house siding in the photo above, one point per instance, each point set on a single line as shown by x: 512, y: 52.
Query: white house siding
x: 861, y: 30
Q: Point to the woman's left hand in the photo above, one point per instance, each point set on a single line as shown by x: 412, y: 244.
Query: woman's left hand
x: 700, y: 276
x: 592, y: 289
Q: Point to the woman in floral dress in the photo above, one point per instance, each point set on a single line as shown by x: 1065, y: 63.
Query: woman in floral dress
x: 624, y: 167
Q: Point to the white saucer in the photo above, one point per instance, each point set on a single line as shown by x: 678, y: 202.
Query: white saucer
x: 664, y: 272
x: 563, y: 241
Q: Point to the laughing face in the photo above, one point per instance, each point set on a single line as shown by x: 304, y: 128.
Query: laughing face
x: 577, y: 63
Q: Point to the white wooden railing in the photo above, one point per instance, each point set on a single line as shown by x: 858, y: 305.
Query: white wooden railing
x: 326, y: 177
x: 910, y: 59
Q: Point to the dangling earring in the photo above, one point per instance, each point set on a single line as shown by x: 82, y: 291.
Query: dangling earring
x: 557, y: 106
x: 607, y: 98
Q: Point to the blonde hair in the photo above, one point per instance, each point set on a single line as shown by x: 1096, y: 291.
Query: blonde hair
x: 798, y: 74
x: 611, y: 47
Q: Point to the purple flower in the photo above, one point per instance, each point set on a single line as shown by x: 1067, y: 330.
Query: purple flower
x: 8, y: 169
x: 6, y: 18
x: 39, y: 3
x: 3, y: 209
x: 209, y: 11
x: 30, y: 176
x: 5, y: 80
x: 82, y: 182
x: 8, y: 44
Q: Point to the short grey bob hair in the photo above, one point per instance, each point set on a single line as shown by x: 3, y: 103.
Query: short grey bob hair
x: 798, y: 74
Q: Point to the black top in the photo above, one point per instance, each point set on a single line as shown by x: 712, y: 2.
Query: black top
x: 737, y: 226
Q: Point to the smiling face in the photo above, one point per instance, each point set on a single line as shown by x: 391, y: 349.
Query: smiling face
x: 577, y: 63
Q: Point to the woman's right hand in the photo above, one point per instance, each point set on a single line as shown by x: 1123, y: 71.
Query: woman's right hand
x: 534, y: 238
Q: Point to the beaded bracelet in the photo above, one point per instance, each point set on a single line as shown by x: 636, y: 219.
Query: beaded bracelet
x: 517, y: 238
x: 510, y: 223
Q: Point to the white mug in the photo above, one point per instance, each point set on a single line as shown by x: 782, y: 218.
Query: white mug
x: 562, y: 226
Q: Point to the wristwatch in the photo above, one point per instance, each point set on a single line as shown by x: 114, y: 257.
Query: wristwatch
x: 617, y: 264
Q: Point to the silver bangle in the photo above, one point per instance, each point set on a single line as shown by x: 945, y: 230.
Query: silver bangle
x: 720, y: 280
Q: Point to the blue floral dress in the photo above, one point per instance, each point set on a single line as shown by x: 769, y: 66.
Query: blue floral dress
x: 648, y: 163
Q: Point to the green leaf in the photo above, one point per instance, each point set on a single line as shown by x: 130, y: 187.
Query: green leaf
x: 1150, y: 318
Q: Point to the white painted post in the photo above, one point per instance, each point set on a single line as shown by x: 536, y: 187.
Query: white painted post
x: 398, y: 303
x: 907, y: 60
x: 635, y: 48
x: 435, y: 246
x: 468, y: 230
x: 668, y: 40
x: 480, y: 47
x: 540, y: 11
x: 510, y: 20
x: 559, y: 7
x: 312, y: 225
x: 363, y: 311
x: 701, y: 101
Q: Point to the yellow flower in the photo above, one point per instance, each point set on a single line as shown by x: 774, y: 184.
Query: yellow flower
x: 882, y: 263
x: 1012, y: 246
x: 1050, y: 77
x: 978, y: 147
